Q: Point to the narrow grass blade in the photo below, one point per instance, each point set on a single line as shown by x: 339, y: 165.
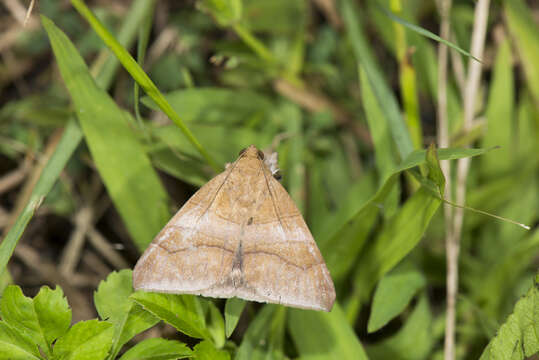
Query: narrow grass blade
x: 425, y: 33
x: 384, y: 95
x: 126, y: 170
x: 141, y: 77
x: 66, y: 146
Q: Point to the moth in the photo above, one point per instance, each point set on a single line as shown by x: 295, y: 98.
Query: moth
x: 240, y: 235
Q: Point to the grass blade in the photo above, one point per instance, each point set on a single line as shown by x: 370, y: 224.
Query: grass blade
x: 126, y: 170
x: 141, y: 77
x: 425, y: 33
x: 384, y: 95
x: 65, y: 148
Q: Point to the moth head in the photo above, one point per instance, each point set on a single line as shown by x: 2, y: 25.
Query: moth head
x: 252, y: 151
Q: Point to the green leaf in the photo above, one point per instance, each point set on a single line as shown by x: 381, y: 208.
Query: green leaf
x: 215, y: 324
x: 15, y: 346
x: 434, y: 172
x: 425, y: 33
x: 184, y: 312
x: 500, y: 115
x: 205, y: 350
x: 18, y: 311
x: 223, y: 141
x: 122, y: 163
x: 112, y: 296
x: 212, y: 105
x: 113, y: 304
x: 384, y: 95
x: 65, y: 148
x: 225, y: 12
x: 413, y: 341
x: 523, y: 28
x: 518, y: 337
x: 140, y: 77
x: 393, y: 293
x: 378, y: 127
x: 341, y: 246
x: 53, y: 312
x: 396, y: 239
x: 158, y: 349
x: 264, y: 337
x: 321, y: 335
x: 233, y: 309
x: 86, y: 340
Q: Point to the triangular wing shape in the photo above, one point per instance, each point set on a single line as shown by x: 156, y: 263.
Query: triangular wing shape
x: 239, y: 235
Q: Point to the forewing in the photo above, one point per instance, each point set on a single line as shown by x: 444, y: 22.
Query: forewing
x: 194, y: 251
x: 281, y: 262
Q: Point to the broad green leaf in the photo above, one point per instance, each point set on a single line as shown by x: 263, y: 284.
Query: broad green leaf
x: 263, y: 339
x: 523, y: 28
x: 396, y: 239
x: 86, y: 340
x: 215, y: 324
x: 384, y: 96
x: 113, y: 304
x: 518, y: 337
x: 321, y: 335
x: 122, y: 163
x: 112, y: 296
x: 140, y: 76
x: 53, y: 312
x: 499, y: 114
x: 393, y: 293
x: 18, y: 311
x: 233, y: 309
x: 184, y: 312
x: 205, y: 350
x: 413, y: 341
x: 15, y: 346
x: 66, y: 146
x: 158, y: 349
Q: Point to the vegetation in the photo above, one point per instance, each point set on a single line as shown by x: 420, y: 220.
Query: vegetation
x: 385, y: 115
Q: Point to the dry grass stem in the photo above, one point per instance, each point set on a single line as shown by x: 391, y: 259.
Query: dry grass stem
x: 443, y: 142
x: 72, y: 251
x: 106, y: 249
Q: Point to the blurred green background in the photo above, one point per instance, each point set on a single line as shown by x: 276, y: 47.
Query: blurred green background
x: 346, y: 92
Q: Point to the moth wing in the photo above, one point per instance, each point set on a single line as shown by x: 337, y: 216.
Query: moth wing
x: 182, y: 257
x: 281, y: 262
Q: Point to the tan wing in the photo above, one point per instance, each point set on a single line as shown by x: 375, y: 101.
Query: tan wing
x: 239, y: 235
x: 281, y: 262
x: 187, y: 256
